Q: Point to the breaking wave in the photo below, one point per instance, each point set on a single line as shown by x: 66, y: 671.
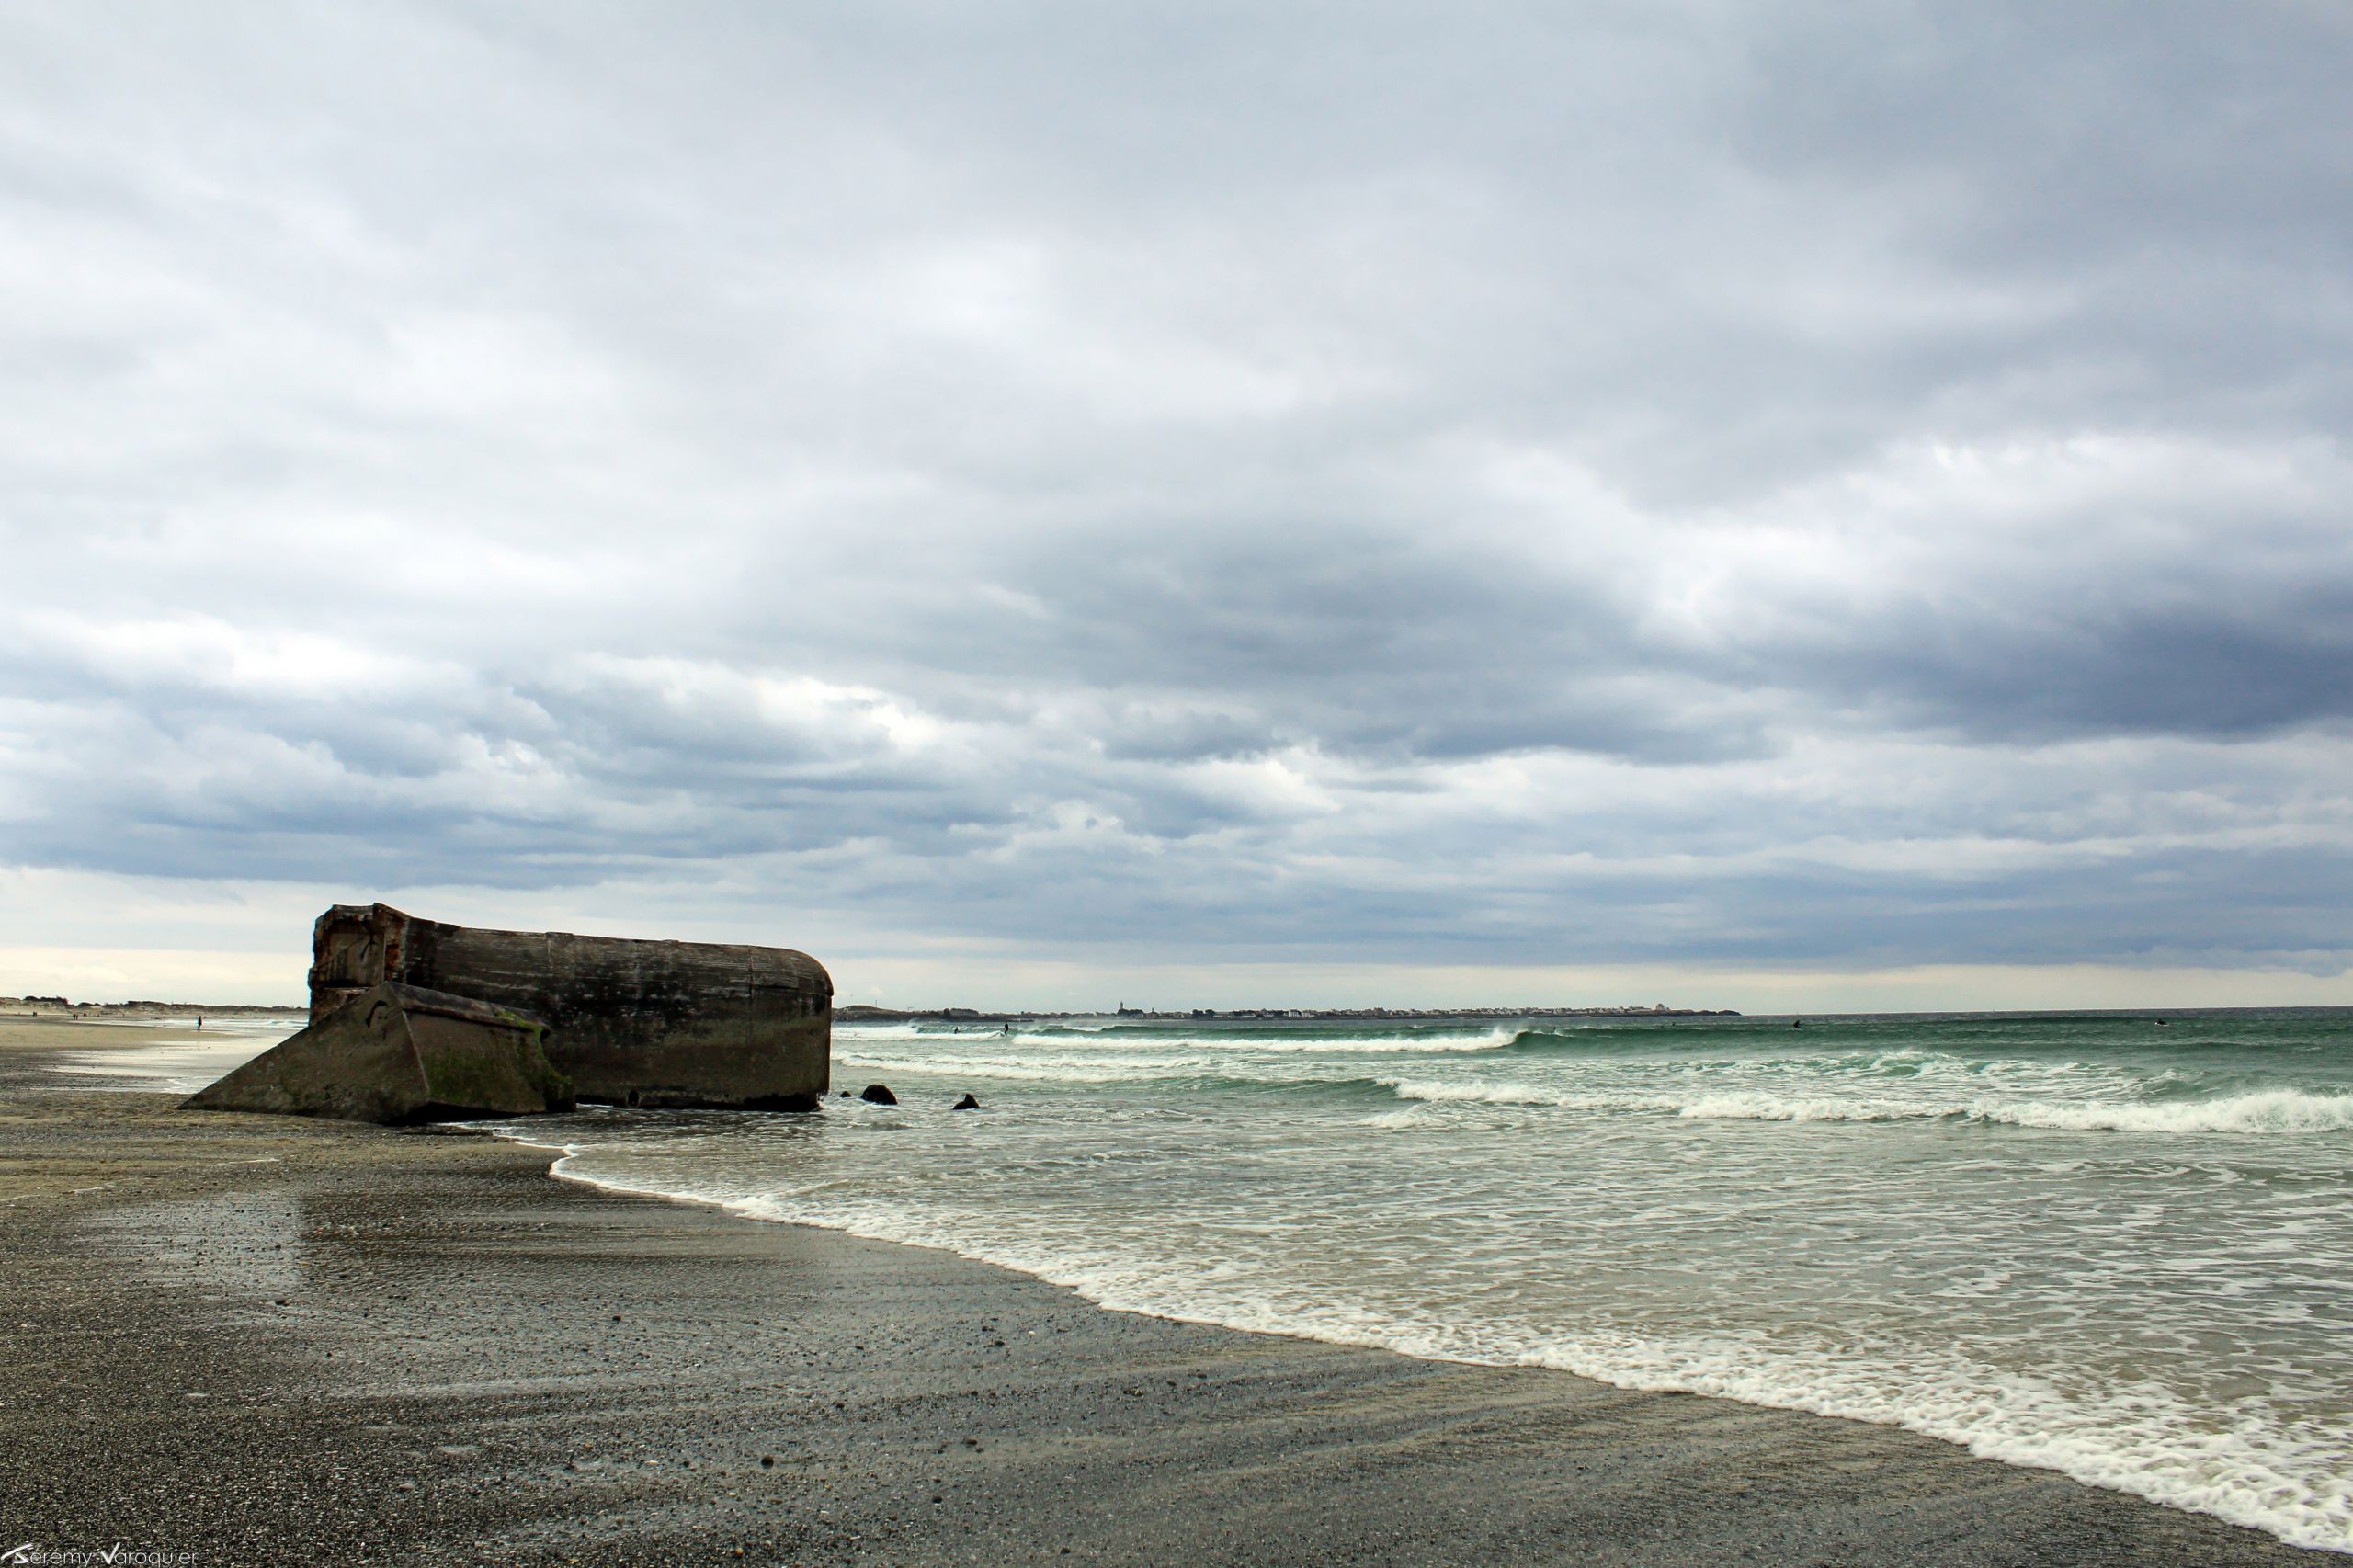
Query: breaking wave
x: 2270, y: 1111
x: 1501, y: 1037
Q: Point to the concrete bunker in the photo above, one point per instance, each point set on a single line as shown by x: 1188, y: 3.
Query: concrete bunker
x: 624, y: 1021
x: 397, y: 1053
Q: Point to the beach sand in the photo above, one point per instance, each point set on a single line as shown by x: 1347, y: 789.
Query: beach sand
x: 262, y: 1340
x: 50, y: 1032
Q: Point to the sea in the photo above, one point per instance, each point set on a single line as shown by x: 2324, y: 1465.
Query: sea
x: 2116, y: 1244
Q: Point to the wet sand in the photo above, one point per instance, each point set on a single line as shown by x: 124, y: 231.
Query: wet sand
x: 256, y: 1339
x: 31, y: 1032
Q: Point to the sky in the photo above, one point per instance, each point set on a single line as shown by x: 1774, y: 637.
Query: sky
x: 1775, y: 507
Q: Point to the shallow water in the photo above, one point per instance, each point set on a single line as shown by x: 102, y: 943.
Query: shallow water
x: 2118, y: 1249
x: 179, y: 1067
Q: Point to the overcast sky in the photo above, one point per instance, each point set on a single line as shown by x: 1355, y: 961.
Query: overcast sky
x: 1346, y: 502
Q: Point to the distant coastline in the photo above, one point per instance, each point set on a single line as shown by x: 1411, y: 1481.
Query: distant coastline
x: 58, y: 1006
x: 860, y: 1013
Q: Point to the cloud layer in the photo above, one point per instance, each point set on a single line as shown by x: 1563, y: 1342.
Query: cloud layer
x: 1668, y: 482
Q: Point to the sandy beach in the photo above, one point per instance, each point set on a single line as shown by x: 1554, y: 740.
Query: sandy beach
x: 253, y: 1340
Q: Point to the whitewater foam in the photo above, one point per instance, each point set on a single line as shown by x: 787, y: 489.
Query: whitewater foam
x: 2272, y: 1110
x: 2275, y: 1110
x: 1506, y: 1092
x: 1440, y: 1043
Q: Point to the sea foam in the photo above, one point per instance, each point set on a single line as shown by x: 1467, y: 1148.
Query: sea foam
x: 2269, y: 1111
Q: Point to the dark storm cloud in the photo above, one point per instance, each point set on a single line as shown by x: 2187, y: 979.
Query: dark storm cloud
x: 1528, y: 484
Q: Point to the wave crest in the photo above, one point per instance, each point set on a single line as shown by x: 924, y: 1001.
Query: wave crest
x: 2272, y: 1110
x: 2269, y: 1111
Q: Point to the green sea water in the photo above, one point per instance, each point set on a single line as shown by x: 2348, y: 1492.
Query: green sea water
x: 2114, y: 1247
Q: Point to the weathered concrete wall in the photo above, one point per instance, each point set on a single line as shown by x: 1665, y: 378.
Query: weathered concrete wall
x: 396, y: 1053
x: 630, y: 1022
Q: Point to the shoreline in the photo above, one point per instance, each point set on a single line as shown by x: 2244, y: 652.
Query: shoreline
x: 422, y: 1346
x: 1966, y: 1443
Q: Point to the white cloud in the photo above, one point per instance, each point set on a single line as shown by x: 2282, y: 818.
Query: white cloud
x: 1643, y: 484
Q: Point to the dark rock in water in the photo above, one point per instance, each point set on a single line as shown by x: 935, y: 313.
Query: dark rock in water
x: 399, y: 1054
x: 877, y: 1094
x: 968, y: 1103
